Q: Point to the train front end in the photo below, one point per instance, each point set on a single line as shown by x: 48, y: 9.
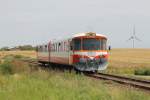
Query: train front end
x: 89, y: 52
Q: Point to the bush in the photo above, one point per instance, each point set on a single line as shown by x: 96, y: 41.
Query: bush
x: 20, y: 66
x: 142, y: 72
x: 5, y: 68
x: 18, y: 56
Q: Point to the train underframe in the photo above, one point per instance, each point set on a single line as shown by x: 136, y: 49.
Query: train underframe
x: 82, y: 66
x: 91, y: 65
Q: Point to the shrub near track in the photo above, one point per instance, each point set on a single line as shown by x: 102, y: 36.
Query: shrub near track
x: 142, y: 72
x: 12, y: 64
x: 6, y: 68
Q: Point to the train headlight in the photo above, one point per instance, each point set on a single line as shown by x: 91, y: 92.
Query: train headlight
x: 102, y: 56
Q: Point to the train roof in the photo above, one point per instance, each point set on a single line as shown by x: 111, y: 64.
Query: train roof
x: 80, y: 35
x: 88, y: 33
x: 77, y: 35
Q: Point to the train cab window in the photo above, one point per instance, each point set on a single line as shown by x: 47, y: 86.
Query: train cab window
x: 91, y: 44
x: 77, y: 44
x: 104, y: 46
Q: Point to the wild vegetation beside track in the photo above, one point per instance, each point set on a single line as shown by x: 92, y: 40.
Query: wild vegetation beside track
x: 21, y: 81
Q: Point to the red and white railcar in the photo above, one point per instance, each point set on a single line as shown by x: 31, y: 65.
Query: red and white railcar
x: 83, y: 51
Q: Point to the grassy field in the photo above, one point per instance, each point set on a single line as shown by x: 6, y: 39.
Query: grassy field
x: 31, y: 54
x: 126, y: 61
x: 22, y: 81
x: 63, y: 86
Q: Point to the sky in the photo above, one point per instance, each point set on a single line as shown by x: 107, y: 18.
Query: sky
x: 38, y: 21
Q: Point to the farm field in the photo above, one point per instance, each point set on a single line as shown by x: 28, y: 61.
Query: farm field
x: 31, y: 54
x: 126, y: 61
x: 22, y: 83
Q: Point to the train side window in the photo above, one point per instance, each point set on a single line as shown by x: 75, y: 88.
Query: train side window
x: 40, y: 49
x: 53, y: 47
x: 64, y: 46
x: 59, y: 44
x: 56, y: 47
x: 59, y: 47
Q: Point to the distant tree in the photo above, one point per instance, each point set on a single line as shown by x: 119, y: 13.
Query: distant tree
x: 26, y: 47
x: 5, y: 49
x: 23, y: 47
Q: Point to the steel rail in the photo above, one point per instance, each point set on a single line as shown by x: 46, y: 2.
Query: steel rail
x: 143, y: 84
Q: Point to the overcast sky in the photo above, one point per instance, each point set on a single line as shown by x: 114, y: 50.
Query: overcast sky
x: 37, y: 21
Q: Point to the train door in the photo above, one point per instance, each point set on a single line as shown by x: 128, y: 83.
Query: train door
x: 70, y: 50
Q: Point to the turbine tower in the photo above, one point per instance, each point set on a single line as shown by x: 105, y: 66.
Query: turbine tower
x: 133, y: 38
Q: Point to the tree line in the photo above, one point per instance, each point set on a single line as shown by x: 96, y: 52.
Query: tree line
x: 23, y: 47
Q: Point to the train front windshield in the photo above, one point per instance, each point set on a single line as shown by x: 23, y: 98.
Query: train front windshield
x: 89, y: 44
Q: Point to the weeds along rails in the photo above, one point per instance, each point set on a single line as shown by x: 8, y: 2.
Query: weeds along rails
x: 143, y: 84
x: 135, y: 82
x: 138, y: 83
x: 83, y: 51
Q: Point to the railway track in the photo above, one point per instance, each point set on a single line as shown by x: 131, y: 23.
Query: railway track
x: 138, y: 83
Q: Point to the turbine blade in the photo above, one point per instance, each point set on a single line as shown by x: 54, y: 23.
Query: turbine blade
x: 134, y: 30
x: 137, y: 38
x: 130, y: 38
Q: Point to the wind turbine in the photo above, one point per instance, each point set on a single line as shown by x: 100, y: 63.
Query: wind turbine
x: 133, y: 37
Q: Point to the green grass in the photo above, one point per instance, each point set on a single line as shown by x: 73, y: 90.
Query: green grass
x: 43, y: 85
x: 26, y: 84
